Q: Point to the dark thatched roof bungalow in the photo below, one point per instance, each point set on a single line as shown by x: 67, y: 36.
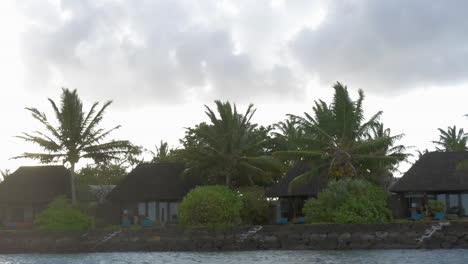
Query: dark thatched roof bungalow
x: 153, y: 191
x: 291, y: 201
x: 441, y: 176
x: 28, y: 190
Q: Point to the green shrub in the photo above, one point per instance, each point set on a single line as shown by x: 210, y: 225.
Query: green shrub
x: 254, y: 209
x: 214, y: 206
x: 349, y: 201
x: 61, y: 215
x: 437, y: 207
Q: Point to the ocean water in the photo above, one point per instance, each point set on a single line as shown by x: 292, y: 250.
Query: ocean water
x: 449, y: 256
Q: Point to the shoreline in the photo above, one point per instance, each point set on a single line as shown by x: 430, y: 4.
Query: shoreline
x: 268, y: 237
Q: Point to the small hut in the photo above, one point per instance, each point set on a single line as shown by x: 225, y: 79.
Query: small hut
x: 152, y: 191
x: 28, y: 190
x: 291, y: 201
x: 441, y: 176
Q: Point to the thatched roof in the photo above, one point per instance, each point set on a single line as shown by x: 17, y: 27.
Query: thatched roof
x: 153, y: 182
x: 435, y: 171
x: 312, y: 188
x: 35, y: 185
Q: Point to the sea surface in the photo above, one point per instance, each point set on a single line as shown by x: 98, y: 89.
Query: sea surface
x: 449, y: 256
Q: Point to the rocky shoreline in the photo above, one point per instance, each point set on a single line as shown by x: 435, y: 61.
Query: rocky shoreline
x: 270, y: 237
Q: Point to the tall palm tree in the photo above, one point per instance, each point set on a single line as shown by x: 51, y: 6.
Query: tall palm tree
x: 290, y: 132
x: 228, y: 149
x: 451, y: 139
x: 337, y: 141
x: 76, y: 136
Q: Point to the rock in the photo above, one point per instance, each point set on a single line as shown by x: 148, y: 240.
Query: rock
x: 344, y: 236
x: 381, y: 234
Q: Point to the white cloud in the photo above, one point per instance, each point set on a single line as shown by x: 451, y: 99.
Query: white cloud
x: 157, y: 50
x: 388, y: 46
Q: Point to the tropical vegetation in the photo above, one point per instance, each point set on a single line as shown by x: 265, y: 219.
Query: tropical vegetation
x: 349, y: 201
x: 337, y: 141
x: 451, y: 140
x: 230, y: 149
x: 76, y: 135
x: 213, y: 205
x: 254, y: 209
x: 60, y: 215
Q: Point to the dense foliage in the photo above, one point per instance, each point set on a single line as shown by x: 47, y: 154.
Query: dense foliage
x: 212, y: 206
x: 163, y: 153
x: 230, y: 150
x: 451, y: 140
x: 101, y: 174
x: 349, y: 201
x: 60, y: 215
x: 338, y: 141
x: 437, y: 207
x: 76, y: 136
x: 254, y: 209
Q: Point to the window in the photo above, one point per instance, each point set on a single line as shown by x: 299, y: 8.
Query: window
x: 152, y: 210
x: 464, y: 200
x: 141, y: 208
x: 441, y: 197
x: 173, y: 210
x: 453, y: 199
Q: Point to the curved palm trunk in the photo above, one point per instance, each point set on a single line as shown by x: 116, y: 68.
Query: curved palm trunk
x: 72, y: 181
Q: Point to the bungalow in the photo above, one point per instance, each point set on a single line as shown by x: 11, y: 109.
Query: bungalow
x: 290, y: 202
x: 441, y: 176
x: 28, y: 190
x: 152, y: 191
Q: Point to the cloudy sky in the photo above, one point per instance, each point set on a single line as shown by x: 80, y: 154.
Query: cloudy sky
x: 161, y: 61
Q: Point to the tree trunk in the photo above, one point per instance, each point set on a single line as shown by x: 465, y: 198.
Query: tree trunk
x: 228, y: 180
x: 72, y: 181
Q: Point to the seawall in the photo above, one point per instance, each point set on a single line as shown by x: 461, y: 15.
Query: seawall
x: 284, y: 237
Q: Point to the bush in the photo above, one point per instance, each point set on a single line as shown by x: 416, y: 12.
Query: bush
x: 213, y: 206
x: 437, y: 207
x: 349, y: 201
x: 254, y: 209
x: 60, y: 215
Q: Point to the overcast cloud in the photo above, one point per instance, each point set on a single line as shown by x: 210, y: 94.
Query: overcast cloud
x: 178, y: 50
x: 164, y: 59
x: 388, y: 46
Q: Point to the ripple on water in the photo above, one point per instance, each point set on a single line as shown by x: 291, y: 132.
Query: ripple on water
x: 449, y: 256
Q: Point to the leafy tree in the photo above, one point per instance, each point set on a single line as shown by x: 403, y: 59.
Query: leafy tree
x: 230, y: 149
x: 451, y: 139
x: 349, y: 201
x: 381, y: 172
x: 289, y: 134
x: 213, y: 206
x: 164, y: 153
x: 101, y: 174
x: 77, y: 135
x: 338, y: 141
x: 61, y: 216
x: 254, y: 209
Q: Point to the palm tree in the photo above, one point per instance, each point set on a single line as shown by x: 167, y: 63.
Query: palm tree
x: 163, y: 153
x: 289, y: 132
x: 337, y: 140
x: 451, y: 139
x: 76, y: 136
x: 228, y: 149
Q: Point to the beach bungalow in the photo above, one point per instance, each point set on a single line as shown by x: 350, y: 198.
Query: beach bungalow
x: 151, y: 191
x: 28, y: 190
x: 441, y: 176
x: 289, y: 203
